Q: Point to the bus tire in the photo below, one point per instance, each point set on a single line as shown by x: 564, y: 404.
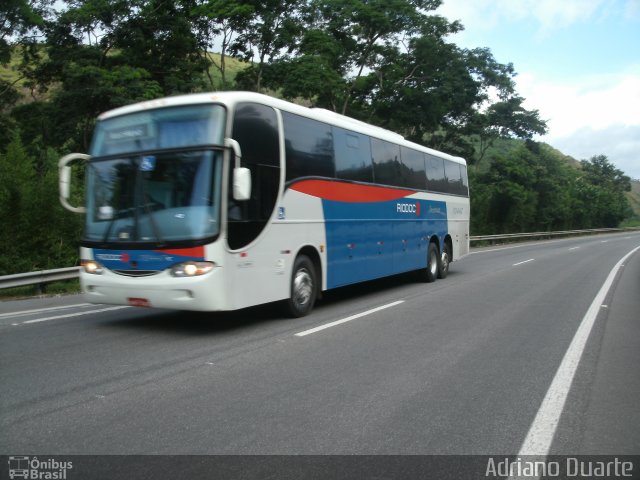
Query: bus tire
x: 445, y: 261
x: 431, y: 273
x: 303, y: 288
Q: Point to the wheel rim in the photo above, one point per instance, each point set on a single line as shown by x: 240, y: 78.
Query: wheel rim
x: 433, y: 263
x: 445, y: 261
x: 302, y: 287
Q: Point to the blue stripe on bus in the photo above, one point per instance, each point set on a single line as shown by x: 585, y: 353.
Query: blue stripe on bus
x: 146, y: 259
x: 375, y: 239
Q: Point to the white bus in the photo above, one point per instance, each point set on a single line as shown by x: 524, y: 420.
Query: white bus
x: 221, y: 201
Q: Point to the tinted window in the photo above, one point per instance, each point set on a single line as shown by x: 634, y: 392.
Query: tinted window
x: 454, y: 178
x: 255, y: 128
x: 352, y: 155
x: 436, y: 180
x: 465, y: 180
x: 309, y: 147
x: 386, y: 162
x: 413, y: 169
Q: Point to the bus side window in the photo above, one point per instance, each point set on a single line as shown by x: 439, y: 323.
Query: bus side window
x: 255, y: 128
x: 386, y: 162
x: 436, y: 181
x: 465, y: 180
x: 353, y: 155
x: 309, y: 147
x: 413, y: 169
x: 454, y: 178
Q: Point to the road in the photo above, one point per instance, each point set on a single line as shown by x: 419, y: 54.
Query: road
x: 461, y: 366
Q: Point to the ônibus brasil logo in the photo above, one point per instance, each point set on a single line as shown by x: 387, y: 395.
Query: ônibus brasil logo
x: 33, y: 468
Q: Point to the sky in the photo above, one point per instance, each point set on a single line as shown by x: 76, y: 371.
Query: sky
x: 578, y: 64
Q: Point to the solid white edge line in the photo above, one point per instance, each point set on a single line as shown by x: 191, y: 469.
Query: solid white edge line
x: 526, y: 261
x: 542, y: 431
x: 78, y: 314
x: 348, y: 319
x: 39, y: 310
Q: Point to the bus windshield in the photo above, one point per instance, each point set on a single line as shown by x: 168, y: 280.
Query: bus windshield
x: 155, y: 176
x: 154, y: 198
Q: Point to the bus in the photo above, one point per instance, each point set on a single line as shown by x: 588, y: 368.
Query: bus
x: 225, y: 200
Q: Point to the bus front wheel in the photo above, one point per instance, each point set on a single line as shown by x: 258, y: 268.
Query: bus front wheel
x: 303, y: 289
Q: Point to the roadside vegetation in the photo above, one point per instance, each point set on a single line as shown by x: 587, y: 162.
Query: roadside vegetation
x: 386, y: 62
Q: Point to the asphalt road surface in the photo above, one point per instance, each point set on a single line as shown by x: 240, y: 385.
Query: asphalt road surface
x: 530, y: 349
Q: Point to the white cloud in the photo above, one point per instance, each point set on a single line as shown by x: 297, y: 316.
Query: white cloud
x: 620, y: 144
x: 595, y: 101
x: 478, y: 15
x: 591, y: 115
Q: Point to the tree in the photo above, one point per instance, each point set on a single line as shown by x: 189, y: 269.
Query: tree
x: 19, y: 21
x: 218, y: 24
x: 29, y: 200
x: 601, y: 190
x: 505, y: 118
x: 359, y: 36
x: 271, y: 33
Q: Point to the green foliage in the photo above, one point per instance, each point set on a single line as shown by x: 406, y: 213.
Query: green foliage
x: 533, y: 188
x: 37, y: 233
x: 633, y: 197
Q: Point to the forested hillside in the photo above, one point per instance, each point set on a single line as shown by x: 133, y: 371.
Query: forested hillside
x: 387, y: 62
x: 633, y: 197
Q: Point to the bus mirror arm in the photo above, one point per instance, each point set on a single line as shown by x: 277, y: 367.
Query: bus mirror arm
x: 234, y: 146
x: 64, y: 171
x: 241, y: 175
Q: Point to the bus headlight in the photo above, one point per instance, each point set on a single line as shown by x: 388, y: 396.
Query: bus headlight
x: 91, y: 266
x: 191, y: 269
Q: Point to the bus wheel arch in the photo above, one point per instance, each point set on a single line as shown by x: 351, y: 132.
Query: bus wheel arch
x: 305, y: 283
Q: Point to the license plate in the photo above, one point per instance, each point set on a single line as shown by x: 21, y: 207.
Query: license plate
x: 139, y: 302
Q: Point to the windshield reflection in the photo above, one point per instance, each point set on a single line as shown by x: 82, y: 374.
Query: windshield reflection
x: 154, y: 198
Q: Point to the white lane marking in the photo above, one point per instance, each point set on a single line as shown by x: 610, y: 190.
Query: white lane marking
x: 40, y: 310
x: 499, y: 249
x: 526, y: 261
x: 574, y: 248
x: 78, y: 314
x: 348, y: 319
x: 543, y: 429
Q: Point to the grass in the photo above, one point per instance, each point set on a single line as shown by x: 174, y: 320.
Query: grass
x: 232, y: 67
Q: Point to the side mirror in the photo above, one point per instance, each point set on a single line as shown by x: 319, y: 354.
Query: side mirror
x: 241, y: 184
x: 64, y: 171
x: 241, y: 175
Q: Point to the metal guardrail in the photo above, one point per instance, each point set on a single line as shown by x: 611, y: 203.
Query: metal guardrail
x: 41, y: 278
x: 517, y: 236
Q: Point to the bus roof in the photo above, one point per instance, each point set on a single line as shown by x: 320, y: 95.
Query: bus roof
x: 230, y: 99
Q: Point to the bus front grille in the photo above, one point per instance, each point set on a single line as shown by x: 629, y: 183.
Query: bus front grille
x: 137, y: 273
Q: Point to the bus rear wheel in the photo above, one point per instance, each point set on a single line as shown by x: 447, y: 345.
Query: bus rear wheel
x: 433, y: 262
x: 445, y: 260
x: 303, y: 289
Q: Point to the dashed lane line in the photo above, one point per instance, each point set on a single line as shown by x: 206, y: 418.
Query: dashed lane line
x: 348, y: 319
x: 77, y: 314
